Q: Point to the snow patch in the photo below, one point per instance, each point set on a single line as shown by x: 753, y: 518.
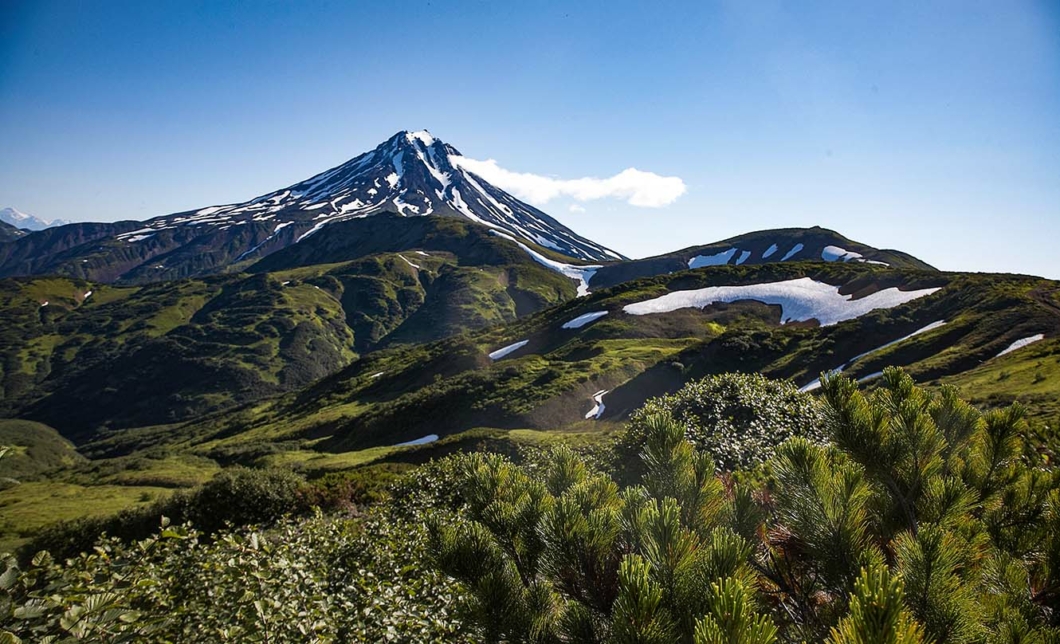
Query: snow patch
x: 743, y: 257
x: 1019, y: 344
x: 416, y: 266
x: 931, y: 327
x: 699, y: 261
x: 599, y: 406
x: 769, y: 251
x: 795, y: 250
x: 800, y: 300
x: 584, y: 319
x: 500, y: 353
x: 423, y: 440
x: 835, y: 253
x: 580, y: 274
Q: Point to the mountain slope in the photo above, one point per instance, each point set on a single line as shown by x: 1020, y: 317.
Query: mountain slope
x: 81, y: 356
x: 760, y: 247
x: 595, y: 359
x: 411, y: 174
x: 9, y: 232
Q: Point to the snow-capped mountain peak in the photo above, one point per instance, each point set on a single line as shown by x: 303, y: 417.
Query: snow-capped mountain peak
x: 421, y: 135
x: 19, y: 219
x: 412, y: 173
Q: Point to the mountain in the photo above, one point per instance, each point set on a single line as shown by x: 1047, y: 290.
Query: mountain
x: 595, y: 359
x: 83, y: 356
x: 27, y: 222
x: 760, y: 247
x: 9, y: 232
x: 411, y: 174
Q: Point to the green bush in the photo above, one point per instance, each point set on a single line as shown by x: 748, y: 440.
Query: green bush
x: 912, y: 518
x: 915, y: 521
x: 318, y: 580
x: 739, y: 419
x: 236, y: 497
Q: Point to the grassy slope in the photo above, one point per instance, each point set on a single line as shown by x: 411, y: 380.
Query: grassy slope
x: 1030, y: 375
x: 447, y: 388
x: 34, y: 449
x: 164, y: 353
x: 541, y: 393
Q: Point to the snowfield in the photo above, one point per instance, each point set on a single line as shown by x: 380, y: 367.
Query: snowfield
x: 1019, y: 344
x: 580, y: 274
x: 500, y: 353
x: 719, y: 259
x: 584, y: 319
x: 598, y: 408
x: 800, y: 300
x: 817, y: 383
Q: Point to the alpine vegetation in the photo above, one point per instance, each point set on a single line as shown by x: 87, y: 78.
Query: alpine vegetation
x: 917, y: 520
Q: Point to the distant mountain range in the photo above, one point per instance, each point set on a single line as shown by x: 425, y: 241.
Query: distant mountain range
x: 21, y: 220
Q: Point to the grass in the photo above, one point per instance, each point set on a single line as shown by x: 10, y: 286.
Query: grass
x: 38, y: 449
x: 1031, y: 376
x: 27, y: 508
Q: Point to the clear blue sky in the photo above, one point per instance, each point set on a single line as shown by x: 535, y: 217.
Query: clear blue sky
x: 933, y: 127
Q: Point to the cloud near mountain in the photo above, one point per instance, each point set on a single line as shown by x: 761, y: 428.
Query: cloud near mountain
x: 636, y: 187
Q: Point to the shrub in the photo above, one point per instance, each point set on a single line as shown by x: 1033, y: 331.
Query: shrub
x: 916, y: 521
x: 317, y: 580
x: 236, y: 497
x: 739, y: 419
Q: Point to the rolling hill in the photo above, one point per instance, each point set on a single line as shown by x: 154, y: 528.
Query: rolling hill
x: 83, y: 356
x: 760, y: 247
x: 590, y: 361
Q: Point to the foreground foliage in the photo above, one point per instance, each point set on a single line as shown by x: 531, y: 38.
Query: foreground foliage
x: 909, y: 518
x: 319, y: 580
x: 918, y: 523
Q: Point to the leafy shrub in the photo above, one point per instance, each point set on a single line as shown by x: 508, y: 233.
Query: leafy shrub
x: 319, y: 580
x: 739, y: 419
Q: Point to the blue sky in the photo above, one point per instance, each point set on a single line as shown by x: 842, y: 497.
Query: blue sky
x: 933, y: 127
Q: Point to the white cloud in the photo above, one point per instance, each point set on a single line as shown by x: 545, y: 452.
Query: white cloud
x: 576, y: 208
x: 636, y: 187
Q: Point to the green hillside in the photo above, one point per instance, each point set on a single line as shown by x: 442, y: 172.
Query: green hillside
x: 329, y: 368
x: 85, y: 357
x: 34, y: 449
x: 446, y: 388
